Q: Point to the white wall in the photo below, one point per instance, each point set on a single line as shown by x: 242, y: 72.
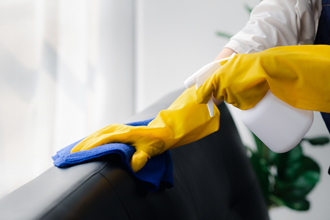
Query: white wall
x: 174, y: 38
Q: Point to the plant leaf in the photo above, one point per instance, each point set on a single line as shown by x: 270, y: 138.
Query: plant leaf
x: 276, y: 200
x: 299, y: 187
x: 319, y: 141
x: 272, y: 156
x: 223, y: 34
x: 261, y: 170
x: 260, y: 145
x: 289, y: 163
x: 264, y: 151
x: 297, y: 204
x: 248, y: 8
x: 307, y: 176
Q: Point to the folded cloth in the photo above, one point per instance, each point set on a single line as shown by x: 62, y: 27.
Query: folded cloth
x: 157, y: 171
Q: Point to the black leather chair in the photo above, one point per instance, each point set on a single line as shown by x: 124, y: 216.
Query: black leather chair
x: 213, y: 180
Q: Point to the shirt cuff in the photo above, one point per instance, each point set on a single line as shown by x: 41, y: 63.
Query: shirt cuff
x: 239, y: 47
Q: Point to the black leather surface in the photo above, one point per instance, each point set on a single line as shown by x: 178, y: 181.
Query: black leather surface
x: 213, y: 180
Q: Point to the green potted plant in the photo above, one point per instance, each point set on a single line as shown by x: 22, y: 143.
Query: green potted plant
x: 286, y: 179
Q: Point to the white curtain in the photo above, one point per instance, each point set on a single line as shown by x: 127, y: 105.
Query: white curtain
x: 66, y: 70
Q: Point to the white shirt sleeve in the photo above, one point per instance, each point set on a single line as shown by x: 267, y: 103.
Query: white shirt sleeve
x: 278, y: 23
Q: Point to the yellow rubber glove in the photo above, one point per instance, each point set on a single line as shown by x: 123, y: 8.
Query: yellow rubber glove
x: 183, y: 122
x: 298, y: 75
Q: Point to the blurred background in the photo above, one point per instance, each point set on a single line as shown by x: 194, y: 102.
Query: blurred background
x: 70, y: 67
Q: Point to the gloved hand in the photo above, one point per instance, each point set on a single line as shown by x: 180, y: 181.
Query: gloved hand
x: 298, y: 75
x: 183, y: 122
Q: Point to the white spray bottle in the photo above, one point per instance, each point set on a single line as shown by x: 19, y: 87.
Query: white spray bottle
x: 277, y: 124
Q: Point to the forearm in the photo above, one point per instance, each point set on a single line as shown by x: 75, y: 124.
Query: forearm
x: 275, y: 23
x: 298, y: 75
x: 282, y: 25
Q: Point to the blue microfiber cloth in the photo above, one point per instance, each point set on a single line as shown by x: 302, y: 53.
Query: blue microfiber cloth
x: 158, y: 170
